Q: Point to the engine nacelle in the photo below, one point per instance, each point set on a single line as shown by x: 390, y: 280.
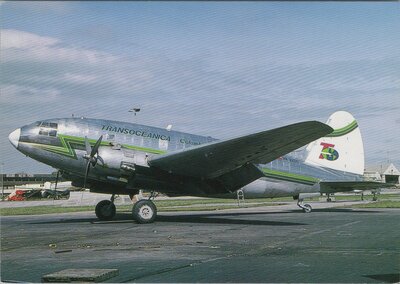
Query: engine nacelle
x: 117, y: 161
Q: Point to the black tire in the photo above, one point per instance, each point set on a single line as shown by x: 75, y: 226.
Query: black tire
x: 105, y: 210
x: 144, y: 211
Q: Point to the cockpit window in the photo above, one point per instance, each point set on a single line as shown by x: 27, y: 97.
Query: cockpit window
x: 48, y: 132
x: 43, y: 132
x: 47, y: 128
x: 48, y: 124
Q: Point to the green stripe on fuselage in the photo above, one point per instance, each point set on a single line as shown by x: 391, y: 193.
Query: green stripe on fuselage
x: 289, y: 177
x: 68, y: 150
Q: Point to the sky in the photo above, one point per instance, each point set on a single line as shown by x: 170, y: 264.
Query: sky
x: 211, y: 68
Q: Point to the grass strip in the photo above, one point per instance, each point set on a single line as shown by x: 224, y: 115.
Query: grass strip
x: 38, y: 210
x: 379, y: 204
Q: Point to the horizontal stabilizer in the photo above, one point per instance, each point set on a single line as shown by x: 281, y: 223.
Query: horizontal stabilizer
x: 341, y: 186
x: 217, y: 158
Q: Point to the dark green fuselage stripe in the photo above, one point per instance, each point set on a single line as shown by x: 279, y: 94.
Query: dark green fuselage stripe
x: 289, y: 177
x: 68, y: 142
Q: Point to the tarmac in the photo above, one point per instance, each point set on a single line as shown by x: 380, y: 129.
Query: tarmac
x: 262, y: 244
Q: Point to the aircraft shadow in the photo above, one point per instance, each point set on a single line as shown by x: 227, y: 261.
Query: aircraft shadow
x: 387, y: 278
x: 208, y: 218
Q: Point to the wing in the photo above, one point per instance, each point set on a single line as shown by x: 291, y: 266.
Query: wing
x: 217, y: 158
x: 342, y: 186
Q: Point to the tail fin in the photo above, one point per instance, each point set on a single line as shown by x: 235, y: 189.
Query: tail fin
x: 342, y: 149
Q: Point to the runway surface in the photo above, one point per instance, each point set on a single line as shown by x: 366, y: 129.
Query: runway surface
x: 242, y: 245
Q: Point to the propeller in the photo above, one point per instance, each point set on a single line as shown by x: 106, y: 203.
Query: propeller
x: 92, y: 156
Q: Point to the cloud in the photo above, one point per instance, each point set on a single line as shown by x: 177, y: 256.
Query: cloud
x: 20, y: 95
x: 24, y: 40
x: 79, y: 78
x: 24, y: 46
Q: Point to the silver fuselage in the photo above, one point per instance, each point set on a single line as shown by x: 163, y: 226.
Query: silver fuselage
x: 60, y: 144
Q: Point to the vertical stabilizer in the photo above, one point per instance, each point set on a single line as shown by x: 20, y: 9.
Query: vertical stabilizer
x: 342, y: 149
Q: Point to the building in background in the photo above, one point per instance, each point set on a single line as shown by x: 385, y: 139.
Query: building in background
x: 387, y: 173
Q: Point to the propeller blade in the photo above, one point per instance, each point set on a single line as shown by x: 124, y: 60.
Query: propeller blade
x: 86, y: 173
x: 90, y: 156
x: 100, y: 159
x: 96, y: 146
x: 87, y: 146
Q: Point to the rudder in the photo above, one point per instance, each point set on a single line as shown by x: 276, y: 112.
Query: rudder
x: 342, y: 149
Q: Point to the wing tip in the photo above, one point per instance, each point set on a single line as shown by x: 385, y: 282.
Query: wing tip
x: 325, y: 128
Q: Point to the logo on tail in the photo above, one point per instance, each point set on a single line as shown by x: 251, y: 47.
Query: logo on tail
x: 328, y: 152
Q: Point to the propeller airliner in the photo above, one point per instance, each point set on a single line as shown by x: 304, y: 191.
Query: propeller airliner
x: 122, y: 158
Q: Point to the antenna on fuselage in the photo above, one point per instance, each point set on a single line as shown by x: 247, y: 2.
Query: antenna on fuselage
x: 134, y: 110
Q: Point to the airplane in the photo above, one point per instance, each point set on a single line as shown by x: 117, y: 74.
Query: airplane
x: 117, y: 158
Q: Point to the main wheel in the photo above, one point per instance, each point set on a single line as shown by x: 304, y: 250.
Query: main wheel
x: 105, y: 210
x: 144, y: 211
x: 307, y: 208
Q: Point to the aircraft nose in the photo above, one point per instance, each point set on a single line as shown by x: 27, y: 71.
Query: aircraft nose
x: 14, y: 137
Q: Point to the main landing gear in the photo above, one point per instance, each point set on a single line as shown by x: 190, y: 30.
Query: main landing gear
x: 105, y: 209
x: 144, y: 211
x: 306, y: 207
